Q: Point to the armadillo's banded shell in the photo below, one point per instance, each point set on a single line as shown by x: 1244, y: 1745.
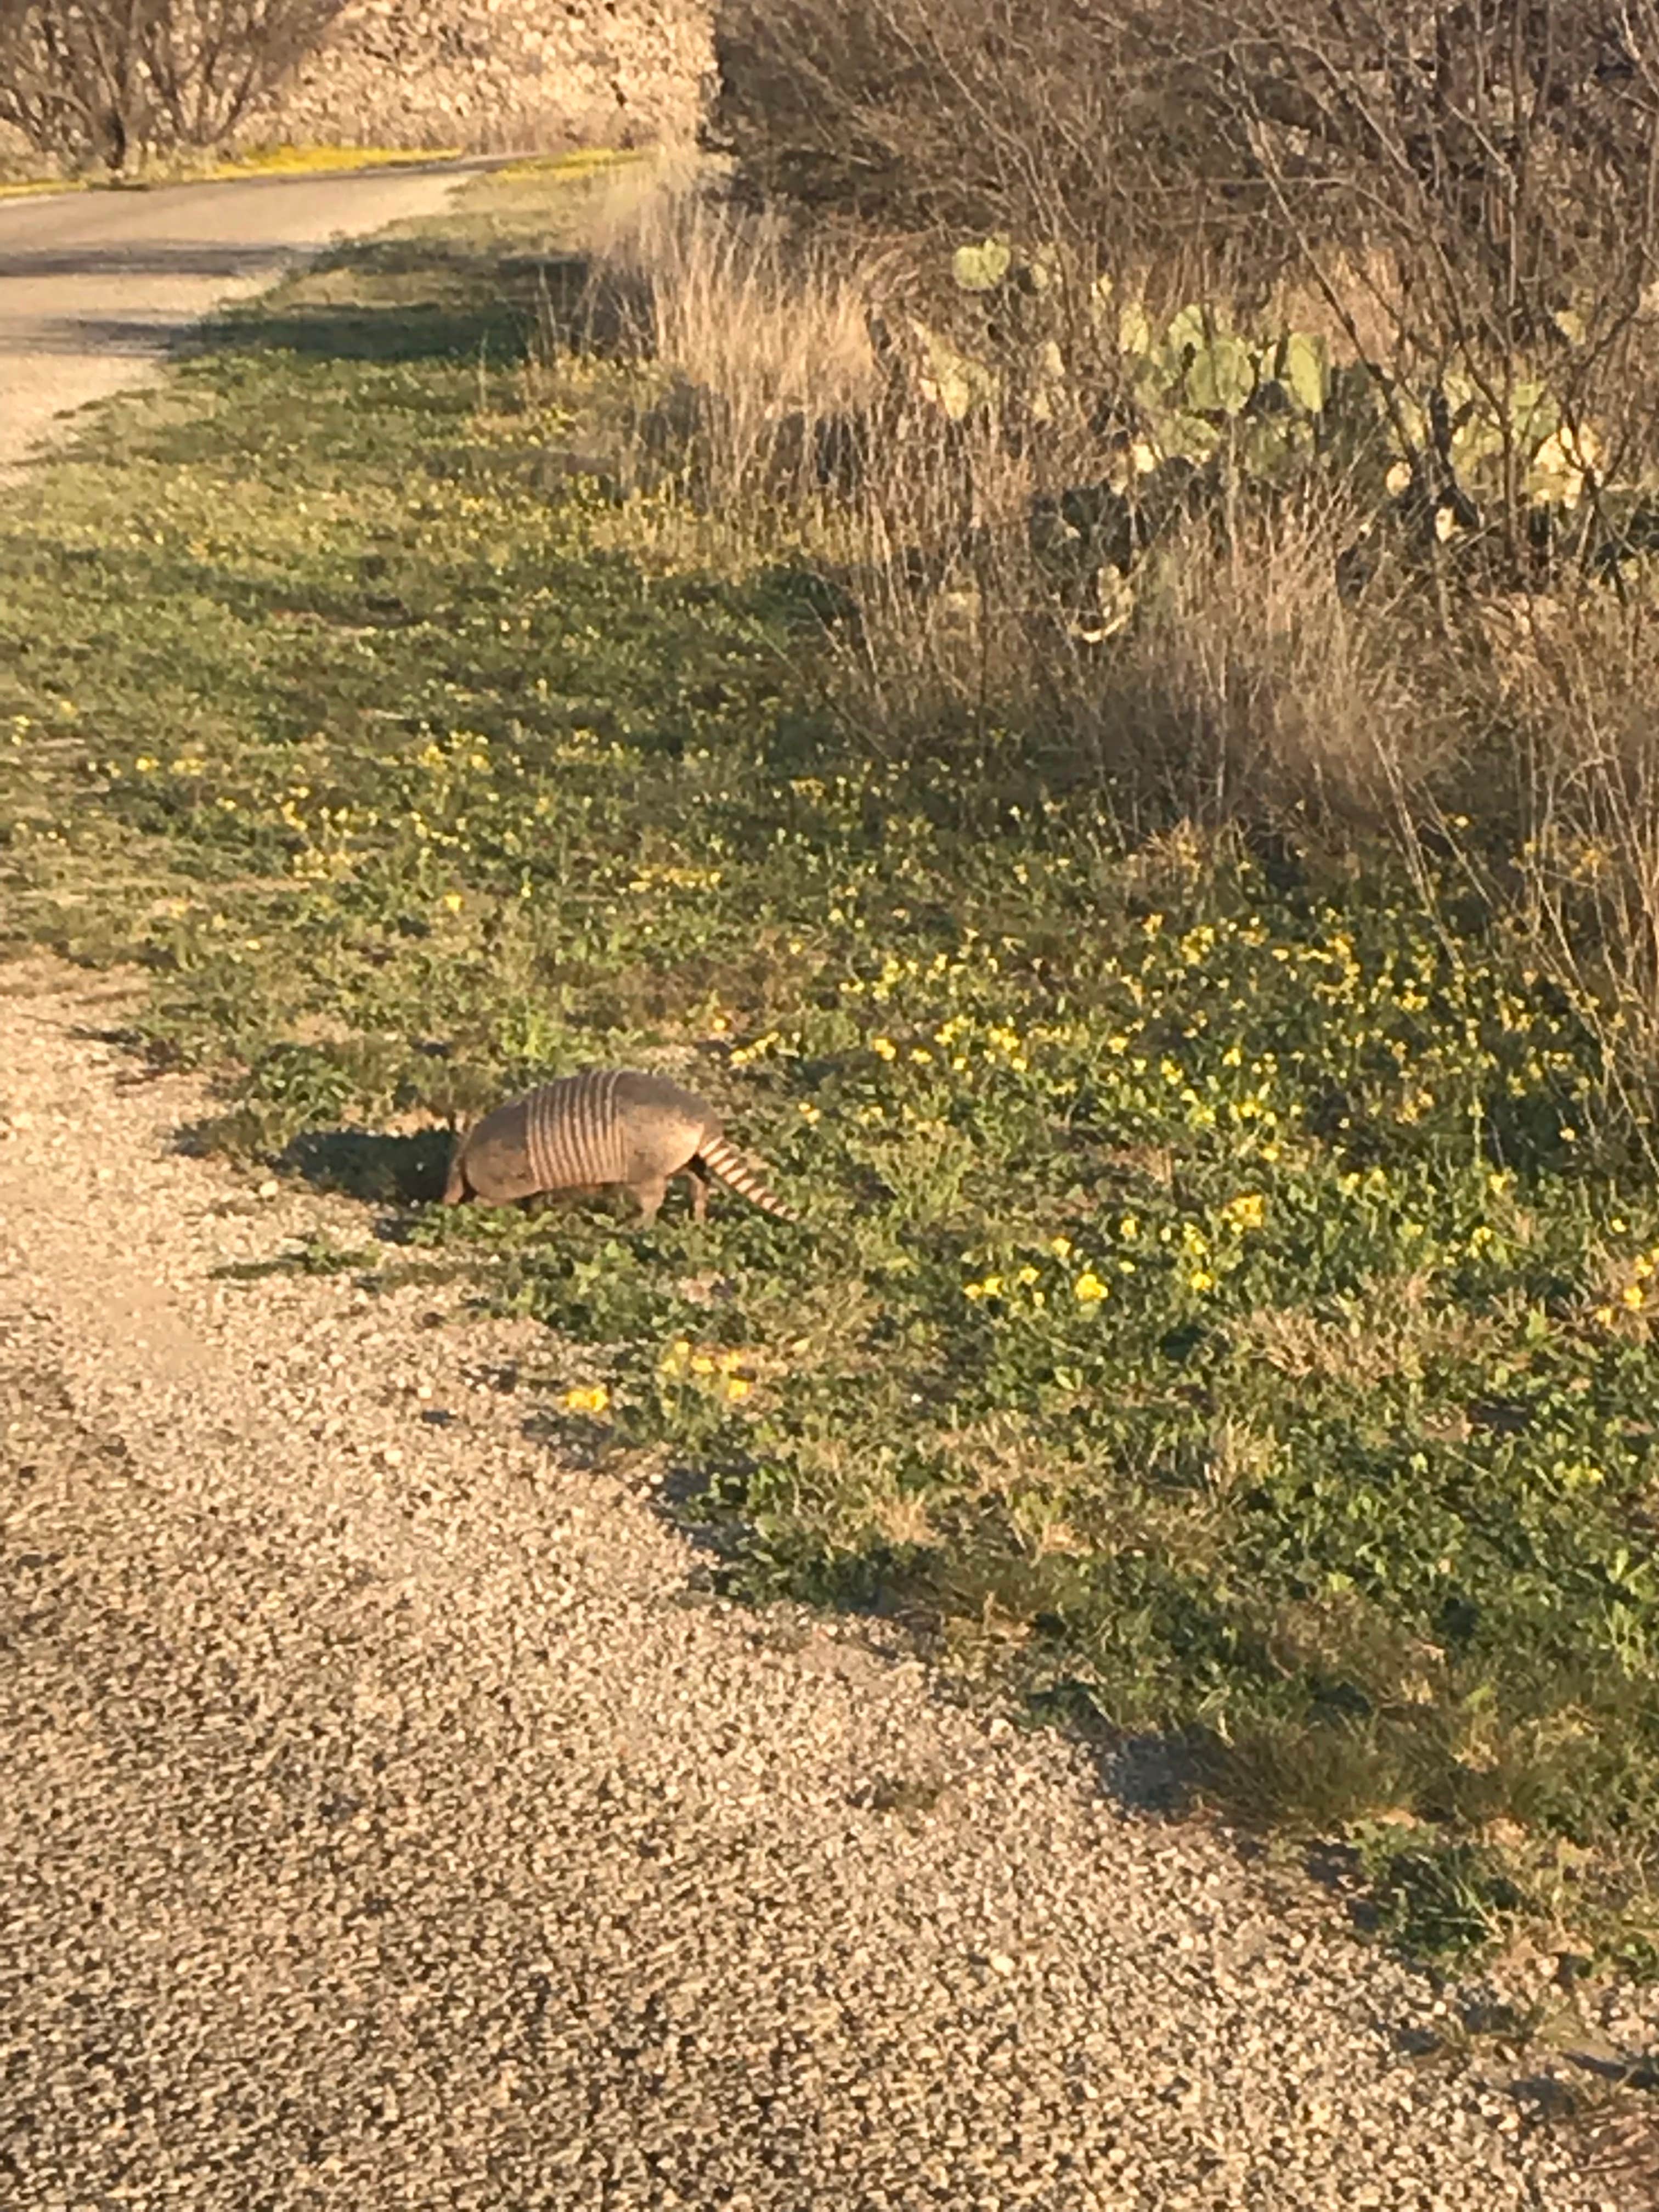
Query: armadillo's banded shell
x: 572, y: 1134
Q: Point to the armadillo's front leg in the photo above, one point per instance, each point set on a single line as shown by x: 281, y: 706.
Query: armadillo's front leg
x: 699, y: 1182
x: 650, y: 1196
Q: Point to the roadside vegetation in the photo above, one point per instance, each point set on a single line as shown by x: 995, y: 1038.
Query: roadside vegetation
x: 1179, y: 926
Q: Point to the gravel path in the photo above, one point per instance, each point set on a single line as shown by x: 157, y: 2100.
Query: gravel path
x: 385, y: 1822
x: 96, y: 287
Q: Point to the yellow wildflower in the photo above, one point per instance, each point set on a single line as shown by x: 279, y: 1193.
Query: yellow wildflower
x: 592, y: 1399
x: 884, y: 1047
x: 1061, y: 1247
x: 736, y: 1388
x: 1201, y: 1279
x: 1088, y: 1289
x: 1633, y: 1296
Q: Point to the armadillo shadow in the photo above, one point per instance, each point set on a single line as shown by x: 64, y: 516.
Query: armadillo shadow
x: 375, y: 1170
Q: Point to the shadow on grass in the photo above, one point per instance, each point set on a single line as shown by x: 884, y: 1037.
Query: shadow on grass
x: 377, y: 1170
x: 438, y: 300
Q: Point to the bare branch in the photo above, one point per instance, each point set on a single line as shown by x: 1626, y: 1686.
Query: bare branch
x: 111, y: 81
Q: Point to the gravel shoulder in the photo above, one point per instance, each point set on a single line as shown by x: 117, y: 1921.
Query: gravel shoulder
x: 97, y: 288
x: 385, y: 1821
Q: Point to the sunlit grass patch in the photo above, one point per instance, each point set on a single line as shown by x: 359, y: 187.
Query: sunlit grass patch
x: 291, y: 160
x: 13, y: 188
x: 579, y: 162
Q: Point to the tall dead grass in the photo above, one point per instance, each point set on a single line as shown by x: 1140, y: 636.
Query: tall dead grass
x: 1560, y: 819
x: 1252, y: 687
x: 756, y: 337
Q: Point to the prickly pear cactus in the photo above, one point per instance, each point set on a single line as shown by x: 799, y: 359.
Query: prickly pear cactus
x: 1196, y: 399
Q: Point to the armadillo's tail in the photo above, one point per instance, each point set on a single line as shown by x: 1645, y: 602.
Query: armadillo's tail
x: 722, y: 1160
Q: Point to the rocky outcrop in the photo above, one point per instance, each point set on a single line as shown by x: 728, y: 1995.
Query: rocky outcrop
x: 496, y: 75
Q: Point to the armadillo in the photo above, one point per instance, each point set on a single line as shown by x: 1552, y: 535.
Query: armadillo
x: 607, y: 1125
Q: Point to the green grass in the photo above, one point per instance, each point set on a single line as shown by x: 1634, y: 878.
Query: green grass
x: 1214, y: 1307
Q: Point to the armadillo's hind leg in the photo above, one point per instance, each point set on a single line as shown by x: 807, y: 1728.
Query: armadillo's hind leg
x: 697, y: 1176
x: 650, y: 1194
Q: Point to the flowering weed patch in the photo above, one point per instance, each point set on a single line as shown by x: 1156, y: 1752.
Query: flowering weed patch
x: 1214, y: 1300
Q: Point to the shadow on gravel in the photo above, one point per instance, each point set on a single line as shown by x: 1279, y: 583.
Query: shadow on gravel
x: 136, y: 337
x: 400, y: 1172
x: 1153, y: 1776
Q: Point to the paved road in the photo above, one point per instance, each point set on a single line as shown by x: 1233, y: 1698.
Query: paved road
x: 381, y: 1826
x: 96, y: 287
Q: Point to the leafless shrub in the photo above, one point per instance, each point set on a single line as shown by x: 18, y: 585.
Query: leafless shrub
x: 1473, y: 191
x: 1464, y: 198
x: 112, y: 81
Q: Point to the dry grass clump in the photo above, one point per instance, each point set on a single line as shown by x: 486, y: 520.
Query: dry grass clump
x: 1571, y: 771
x: 758, y: 337
x: 1252, y: 687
